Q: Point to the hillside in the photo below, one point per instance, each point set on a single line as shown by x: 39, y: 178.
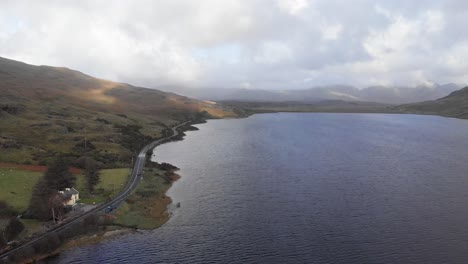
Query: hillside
x: 453, y: 105
x: 49, y: 110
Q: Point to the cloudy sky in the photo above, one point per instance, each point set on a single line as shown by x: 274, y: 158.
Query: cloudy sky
x: 267, y: 44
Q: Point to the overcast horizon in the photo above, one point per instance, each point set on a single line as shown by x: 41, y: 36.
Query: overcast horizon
x: 244, y: 44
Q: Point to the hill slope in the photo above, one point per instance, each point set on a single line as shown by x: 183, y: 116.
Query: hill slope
x: 453, y: 105
x: 49, y: 110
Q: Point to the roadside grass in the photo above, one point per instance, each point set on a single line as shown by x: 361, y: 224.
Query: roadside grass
x: 32, y: 226
x: 111, y: 178
x: 111, y: 183
x: 146, y: 208
x: 130, y: 218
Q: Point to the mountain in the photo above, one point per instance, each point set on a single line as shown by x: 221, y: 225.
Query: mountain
x: 453, y: 105
x: 378, y: 94
x: 243, y: 108
x: 223, y: 94
x: 320, y: 93
x: 45, y: 111
x: 403, y: 95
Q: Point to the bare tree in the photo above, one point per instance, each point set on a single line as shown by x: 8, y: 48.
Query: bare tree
x: 56, y: 205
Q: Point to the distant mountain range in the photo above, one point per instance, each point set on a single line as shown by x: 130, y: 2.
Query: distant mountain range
x: 378, y: 94
x: 453, y: 105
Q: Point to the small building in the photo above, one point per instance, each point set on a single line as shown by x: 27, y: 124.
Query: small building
x: 70, y: 196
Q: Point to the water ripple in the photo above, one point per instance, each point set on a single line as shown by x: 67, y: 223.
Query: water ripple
x: 310, y: 188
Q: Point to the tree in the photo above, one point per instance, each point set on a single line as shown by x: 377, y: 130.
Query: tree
x: 168, y: 177
x: 38, y: 205
x: 13, y: 229
x: 56, y: 206
x: 3, y: 241
x: 58, y: 176
x: 46, y: 204
x: 92, y: 174
x: 167, y: 167
x: 6, y: 210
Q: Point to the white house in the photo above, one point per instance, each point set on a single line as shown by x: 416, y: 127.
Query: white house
x: 70, y: 196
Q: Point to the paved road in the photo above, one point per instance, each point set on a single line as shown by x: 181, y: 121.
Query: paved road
x: 137, y: 170
x: 116, y: 201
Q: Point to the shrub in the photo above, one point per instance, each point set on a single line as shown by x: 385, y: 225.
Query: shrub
x: 146, y: 193
x: 13, y: 229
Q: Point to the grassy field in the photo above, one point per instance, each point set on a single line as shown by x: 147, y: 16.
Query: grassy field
x: 112, y: 182
x: 16, y: 186
x: 146, y: 208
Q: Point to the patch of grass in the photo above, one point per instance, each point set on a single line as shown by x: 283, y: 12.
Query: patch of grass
x: 131, y: 218
x: 16, y: 187
x: 93, y: 199
x: 111, y: 178
x: 146, y: 208
x: 112, y: 182
x: 22, y: 155
x: 31, y: 226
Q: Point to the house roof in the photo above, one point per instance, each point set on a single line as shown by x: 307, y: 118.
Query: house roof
x: 68, y: 192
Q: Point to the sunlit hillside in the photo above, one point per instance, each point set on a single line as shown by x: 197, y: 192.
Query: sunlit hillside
x: 49, y: 110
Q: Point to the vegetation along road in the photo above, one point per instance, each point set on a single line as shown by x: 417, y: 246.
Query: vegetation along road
x: 116, y: 201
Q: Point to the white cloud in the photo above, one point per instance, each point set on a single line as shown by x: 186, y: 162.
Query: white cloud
x: 293, y: 7
x: 245, y: 85
x: 434, y: 21
x: 273, y: 53
x: 262, y: 43
x: 331, y: 32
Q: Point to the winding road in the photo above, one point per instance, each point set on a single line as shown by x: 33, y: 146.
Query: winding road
x: 115, y: 202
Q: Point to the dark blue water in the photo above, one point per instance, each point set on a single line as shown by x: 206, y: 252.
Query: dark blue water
x: 310, y: 188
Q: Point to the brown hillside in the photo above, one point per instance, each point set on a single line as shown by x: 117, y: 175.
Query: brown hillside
x: 22, y: 82
x: 45, y: 111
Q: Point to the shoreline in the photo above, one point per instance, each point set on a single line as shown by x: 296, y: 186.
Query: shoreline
x: 331, y: 112
x: 115, y: 230
x: 111, y: 232
x: 119, y: 229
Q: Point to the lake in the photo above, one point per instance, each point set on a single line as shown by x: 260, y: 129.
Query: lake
x: 309, y: 188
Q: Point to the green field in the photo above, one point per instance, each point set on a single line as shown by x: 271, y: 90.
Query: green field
x: 146, y: 208
x: 112, y: 182
x: 16, y: 186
